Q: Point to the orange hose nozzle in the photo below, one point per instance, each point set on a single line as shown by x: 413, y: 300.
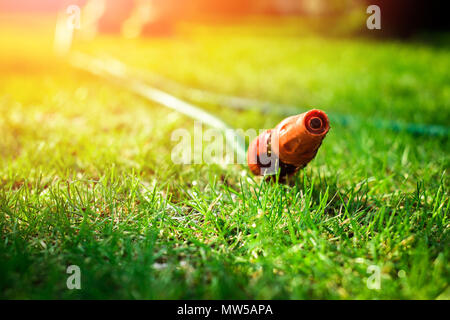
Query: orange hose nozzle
x: 290, y: 146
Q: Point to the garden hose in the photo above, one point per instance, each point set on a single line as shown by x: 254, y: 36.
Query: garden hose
x: 284, y: 110
x: 290, y: 146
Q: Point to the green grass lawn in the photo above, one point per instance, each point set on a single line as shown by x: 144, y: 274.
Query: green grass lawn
x: 86, y: 175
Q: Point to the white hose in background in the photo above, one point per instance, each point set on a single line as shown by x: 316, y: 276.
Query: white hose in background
x: 115, y: 70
